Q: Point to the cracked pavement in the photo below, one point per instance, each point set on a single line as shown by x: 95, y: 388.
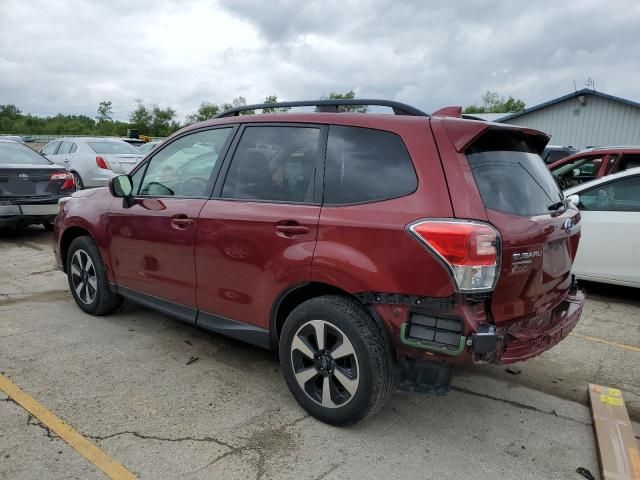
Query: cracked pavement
x: 123, y: 382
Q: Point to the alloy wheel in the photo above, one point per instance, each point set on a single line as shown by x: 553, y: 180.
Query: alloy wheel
x: 325, y: 364
x: 83, y: 277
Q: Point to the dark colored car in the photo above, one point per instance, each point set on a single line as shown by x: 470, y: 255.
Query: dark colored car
x: 374, y: 251
x: 553, y: 153
x: 594, y: 163
x: 30, y: 186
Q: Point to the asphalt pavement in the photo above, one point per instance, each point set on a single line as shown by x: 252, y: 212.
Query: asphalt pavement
x: 167, y: 400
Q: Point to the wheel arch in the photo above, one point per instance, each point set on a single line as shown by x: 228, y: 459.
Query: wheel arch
x: 69, y: 235
x: 296, y: 294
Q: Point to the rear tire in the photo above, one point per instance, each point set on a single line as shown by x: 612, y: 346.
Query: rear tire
x: 336, y: 360
x: 78, y: 181
x: 88, y: 278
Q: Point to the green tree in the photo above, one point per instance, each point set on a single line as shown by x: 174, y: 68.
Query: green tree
x: 350, y: 95
x: 274, y: 99
x: 163, y: 122
x: 492, y: 102
x: 10, y: 111
x: 205, y: 111
x: 141, y: 118
x: 105, y: 111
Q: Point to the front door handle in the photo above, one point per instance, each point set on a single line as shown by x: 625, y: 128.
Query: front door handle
x: 181, y: 222
x: 291, y: 229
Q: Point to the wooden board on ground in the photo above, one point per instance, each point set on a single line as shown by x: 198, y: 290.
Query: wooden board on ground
x: 617, y: 446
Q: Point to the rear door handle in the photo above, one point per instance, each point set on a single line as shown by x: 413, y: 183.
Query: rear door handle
x: 181, y: 222
x: 291, y: 230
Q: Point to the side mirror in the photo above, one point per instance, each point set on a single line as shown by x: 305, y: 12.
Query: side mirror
x: 574, y: 199
x: 122, y: 187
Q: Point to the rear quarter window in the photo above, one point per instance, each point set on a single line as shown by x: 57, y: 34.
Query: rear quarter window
x: 366, y: 165
x: 511, y: 176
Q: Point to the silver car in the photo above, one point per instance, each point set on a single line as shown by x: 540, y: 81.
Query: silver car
x: 93, y: 161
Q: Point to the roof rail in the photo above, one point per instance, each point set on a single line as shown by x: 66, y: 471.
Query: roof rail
x: 328, y: 106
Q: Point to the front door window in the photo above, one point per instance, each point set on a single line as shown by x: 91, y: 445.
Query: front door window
x: 183, y: 168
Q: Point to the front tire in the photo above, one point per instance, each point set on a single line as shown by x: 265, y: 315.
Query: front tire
x: 336, y: 360
x: 88, y: 278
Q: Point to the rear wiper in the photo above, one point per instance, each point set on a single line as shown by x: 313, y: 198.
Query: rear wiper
x: 557, y: 205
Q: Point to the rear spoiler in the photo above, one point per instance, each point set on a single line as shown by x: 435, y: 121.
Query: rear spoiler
x: 463, y: 132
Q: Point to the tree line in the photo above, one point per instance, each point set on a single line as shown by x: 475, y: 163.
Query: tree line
x: 161, y: 122
x: 147, y: 119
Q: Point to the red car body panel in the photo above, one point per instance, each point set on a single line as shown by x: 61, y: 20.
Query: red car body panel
x: 245, y: 257
x: 232, y: 260
x: 151, y: 247
x: 89, y: 213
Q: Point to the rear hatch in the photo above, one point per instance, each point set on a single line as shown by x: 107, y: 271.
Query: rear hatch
x: 539, y: 231
x: 119, y: 156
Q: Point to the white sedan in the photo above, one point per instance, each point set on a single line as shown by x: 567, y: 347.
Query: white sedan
x: 609, y: 250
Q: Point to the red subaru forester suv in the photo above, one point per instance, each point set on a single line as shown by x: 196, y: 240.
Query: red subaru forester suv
x: 374, y: 251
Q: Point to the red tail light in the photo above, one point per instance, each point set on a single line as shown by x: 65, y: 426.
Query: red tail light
x: 469, y: 250
x: 69, y: 182
x: 102, y: 163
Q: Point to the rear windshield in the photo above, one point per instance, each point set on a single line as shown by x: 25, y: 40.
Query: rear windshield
x: 17, y: 153
x: 107, y: 148
x: 511, y: 177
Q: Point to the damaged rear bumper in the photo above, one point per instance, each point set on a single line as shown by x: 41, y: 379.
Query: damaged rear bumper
x: 529, y: 338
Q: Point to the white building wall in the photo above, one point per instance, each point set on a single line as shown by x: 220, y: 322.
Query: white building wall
x: 600, y: 122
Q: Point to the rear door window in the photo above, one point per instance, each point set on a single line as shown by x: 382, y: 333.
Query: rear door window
x: 274, y: 163
x: 366, y: 165
x: 622, y: 195
x: 629, y: 160
x: 511, y: 176
x: 65, y: 148
x: 50, y: 149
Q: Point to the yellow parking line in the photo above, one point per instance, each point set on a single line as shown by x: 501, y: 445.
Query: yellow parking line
x: 633, y: 348
x: 83, y: 446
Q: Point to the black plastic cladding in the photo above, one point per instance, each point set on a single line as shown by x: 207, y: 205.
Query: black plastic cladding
x: 328, y: 106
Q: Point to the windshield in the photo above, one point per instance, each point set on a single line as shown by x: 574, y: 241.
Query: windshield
x: 16, y: 153
x: 107, y: 148
x: 511, y: 181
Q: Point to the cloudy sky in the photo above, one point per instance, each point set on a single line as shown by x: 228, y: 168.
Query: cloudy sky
x: 68, y: 55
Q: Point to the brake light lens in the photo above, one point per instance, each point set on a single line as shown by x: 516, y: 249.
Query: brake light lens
x: 69, y: 182
x: 102, y: 163
x: 469, y: 250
